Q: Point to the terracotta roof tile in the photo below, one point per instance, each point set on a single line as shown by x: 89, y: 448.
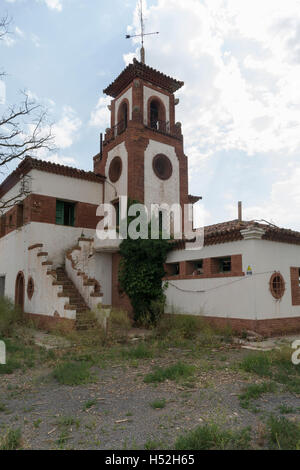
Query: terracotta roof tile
x: 139, y: 70
x: 230, y: 231
x: 30, y: 163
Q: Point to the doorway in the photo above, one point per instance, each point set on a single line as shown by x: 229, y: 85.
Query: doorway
x: 20, y: 291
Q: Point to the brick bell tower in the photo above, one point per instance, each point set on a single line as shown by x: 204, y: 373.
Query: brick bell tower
x: 142, y: 155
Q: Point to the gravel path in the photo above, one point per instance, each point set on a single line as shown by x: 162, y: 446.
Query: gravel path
x: 53, y: 416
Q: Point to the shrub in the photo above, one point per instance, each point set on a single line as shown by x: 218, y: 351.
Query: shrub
x: 141, y: 351
x: 283, y: 434
x: 158, y: 404
x: 73, y: 373
x: 211, y: 437
x: 259, y: 364
x: 12, y: 440
x: 174, y: 372
x: 185, y: 326
x: 119, y: 325
x: 255, y: 391
x: 9, y: 316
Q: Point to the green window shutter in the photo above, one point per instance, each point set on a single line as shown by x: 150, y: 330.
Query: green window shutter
x: 60, y: 208
x: 72, y: 215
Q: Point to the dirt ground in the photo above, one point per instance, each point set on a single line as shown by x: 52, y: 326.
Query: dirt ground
x: 116, y: 410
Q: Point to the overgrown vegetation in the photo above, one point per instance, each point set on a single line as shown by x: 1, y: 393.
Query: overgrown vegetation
x: 255, y: 391
x: 10, y: 316
x: 119, y: 324
x: 212, y: 437
x: 158, y: 404
x: 11, y: 440
x: 283, y: 434
x: 141, y: 273
x: 73, y: 373
x: 276, y: 365
x: 175, y: 372
x: 20, y: 355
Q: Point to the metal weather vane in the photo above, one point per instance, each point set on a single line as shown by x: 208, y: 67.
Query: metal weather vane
x: 143, y: 34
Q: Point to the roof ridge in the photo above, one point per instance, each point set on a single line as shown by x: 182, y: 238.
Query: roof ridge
x: 29, y: 163
x: 141, y: 70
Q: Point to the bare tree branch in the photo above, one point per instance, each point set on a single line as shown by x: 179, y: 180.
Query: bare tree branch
x: 23, y: 130
x: 4, y: 23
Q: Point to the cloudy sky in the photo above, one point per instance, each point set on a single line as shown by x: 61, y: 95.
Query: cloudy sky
x: 240, y: 106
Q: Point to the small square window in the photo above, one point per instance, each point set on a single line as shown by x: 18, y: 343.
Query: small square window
x: 2, y: 286
x: 65, y: 213
x: 198, y: 267
x: 225, y: 265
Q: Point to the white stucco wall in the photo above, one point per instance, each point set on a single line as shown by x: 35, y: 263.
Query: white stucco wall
x: 13, y: 193
x: 128, y: 96
x: 64, y: 187
x: 14, y: 248
x: 120, y: 188
x: 156, y: 190
x: 103, y: 274
x: 245, y: 297
x: 45, y: 300
x: 148, y: 92
x: 60, y: 187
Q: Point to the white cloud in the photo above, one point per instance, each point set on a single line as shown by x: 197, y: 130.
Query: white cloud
x: 2, y: 92
x: 240, y: 61
x: 19, y: 32
x: 51, y: 4
x: 282, y: 208
x: 66, y: 129
x: 100, y: 116
x: 207, y: 43
x: 35, y: 39
x: 54, y: 4
x: 62, y: 160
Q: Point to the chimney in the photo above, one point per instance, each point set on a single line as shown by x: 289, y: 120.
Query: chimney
x: 240, y: 216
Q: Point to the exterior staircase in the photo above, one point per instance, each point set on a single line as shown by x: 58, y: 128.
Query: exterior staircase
x: 76, y: 301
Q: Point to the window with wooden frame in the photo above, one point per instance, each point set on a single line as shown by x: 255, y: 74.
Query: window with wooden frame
x: 30, y: 288
x: 65, y: 213
x: 277, y: 285
x: 172, y: 269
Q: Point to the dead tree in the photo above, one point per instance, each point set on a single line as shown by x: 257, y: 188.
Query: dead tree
x: 23, y: 131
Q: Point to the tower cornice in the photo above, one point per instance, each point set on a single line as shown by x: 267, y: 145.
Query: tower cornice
x: 139, y: 70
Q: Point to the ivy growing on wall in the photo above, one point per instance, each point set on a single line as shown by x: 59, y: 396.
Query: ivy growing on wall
x: 141, y: 273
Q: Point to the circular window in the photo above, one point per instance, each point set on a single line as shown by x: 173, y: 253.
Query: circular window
x: 115, y: 169
x: 30, y: 288
x: 162, y: 167
x: 277, y: 285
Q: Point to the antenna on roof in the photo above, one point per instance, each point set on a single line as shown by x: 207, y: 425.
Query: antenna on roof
x: 143, y: 34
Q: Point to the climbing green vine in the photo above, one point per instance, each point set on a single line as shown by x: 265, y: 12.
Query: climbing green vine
x: 140, y: 276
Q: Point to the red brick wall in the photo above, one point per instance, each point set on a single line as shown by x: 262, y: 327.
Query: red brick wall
x: 42, y: 209
x: 210, y: 269
x: 85, y: 215
x: 295, y: 289
x: 271, y: 327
